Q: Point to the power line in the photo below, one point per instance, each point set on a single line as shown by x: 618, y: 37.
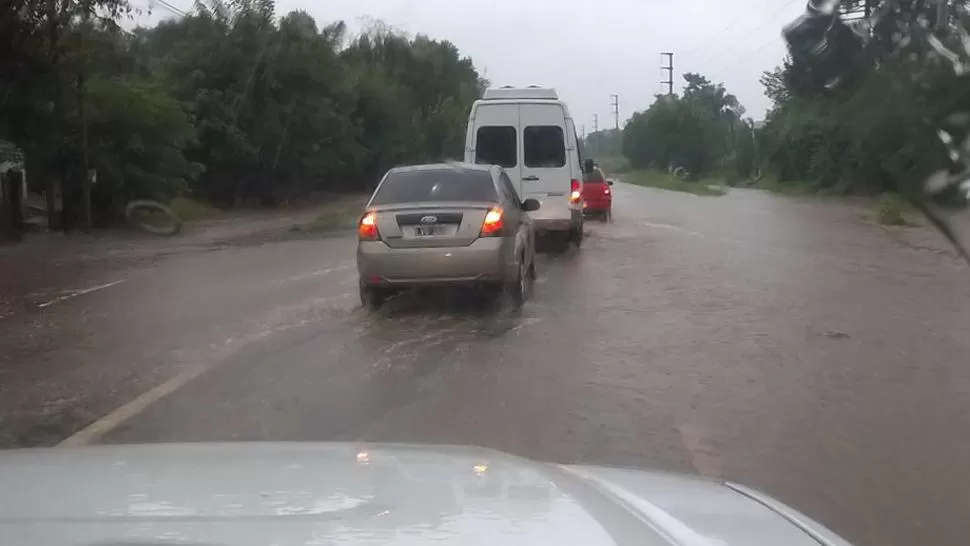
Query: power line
x: 172, y: 8
x: 167, y: 7
x: 743, y: 12
x: 770, y: 19
x: 739, y: 60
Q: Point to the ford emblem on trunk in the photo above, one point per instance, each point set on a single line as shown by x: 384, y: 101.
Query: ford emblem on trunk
x: 429, y: 219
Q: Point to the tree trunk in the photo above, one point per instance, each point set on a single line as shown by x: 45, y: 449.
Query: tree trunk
x: 50, y: 183
x: 85, y: 172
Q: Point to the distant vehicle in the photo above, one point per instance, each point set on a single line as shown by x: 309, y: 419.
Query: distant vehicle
x: 394, y: 494
x: 446, y: 224
x: 529, y: 132
x: 598, y: 195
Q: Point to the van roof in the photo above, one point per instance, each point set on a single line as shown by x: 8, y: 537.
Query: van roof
x: 518, y: 102
x: 531, y: 92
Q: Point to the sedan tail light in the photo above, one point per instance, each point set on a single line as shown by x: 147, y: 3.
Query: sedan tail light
x: 494, y: 223
x: 367, y: 228
x: 575, y: 191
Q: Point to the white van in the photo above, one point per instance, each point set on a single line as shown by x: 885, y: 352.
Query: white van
x: 529, y: 132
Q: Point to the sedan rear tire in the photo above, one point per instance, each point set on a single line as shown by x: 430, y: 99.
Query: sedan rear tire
x: 576, y: 236
x: 372, y: 297
x: 511, y: 294
x: 519, y: 290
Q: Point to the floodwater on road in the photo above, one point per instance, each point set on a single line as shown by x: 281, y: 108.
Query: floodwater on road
x: 784, y: 344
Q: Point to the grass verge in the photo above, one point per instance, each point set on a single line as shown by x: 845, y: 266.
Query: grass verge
x: 890, y: 210
x: 664, y: 181
x: 770, y: 183
x: 341, y: 213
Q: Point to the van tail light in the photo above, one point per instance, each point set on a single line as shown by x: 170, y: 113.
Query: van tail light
x: 367, y: 228
x: 575, y: 191
x: 494, y: 223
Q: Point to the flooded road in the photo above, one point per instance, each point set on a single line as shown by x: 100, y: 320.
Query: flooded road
x: 785, y: 345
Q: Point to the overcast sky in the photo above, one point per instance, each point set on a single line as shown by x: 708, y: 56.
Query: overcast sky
x: 585, y: 49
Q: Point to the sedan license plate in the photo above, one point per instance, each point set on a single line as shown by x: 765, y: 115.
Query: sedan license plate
x: 429, y: 231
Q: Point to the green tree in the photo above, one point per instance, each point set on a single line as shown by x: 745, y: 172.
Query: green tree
x: 605, y: 143
x: 231, y: 102
x: 697, y: 130
x: 38, y: 86
x: 862, y: 115
x: 137, y: 135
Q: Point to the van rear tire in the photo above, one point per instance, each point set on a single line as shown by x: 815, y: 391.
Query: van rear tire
x: 576, y: 235
x: 560, y: 241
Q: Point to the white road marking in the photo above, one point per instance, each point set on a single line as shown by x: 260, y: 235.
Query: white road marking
x: 213, y: 356
x: 96, y: 430
x: 80, y: 293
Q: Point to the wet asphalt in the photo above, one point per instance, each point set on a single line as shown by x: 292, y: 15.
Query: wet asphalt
x: 784, y: 344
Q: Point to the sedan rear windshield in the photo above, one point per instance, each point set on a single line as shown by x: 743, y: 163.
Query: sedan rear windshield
x: 436, y: 185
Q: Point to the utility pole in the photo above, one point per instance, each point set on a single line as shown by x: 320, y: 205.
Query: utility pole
x: 669, y: 69
x: 615, y: 103
x: 86, y: 175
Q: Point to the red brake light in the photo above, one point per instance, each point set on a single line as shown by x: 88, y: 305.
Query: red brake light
x: 494, y: 222
x: 575, y: 191
x: 367, y: 229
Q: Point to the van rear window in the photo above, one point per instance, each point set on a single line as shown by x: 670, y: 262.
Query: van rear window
x: 496, y: 145
x: 424, y: 186
x: 544, y: 146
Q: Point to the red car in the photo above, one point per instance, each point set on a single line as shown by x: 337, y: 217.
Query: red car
x: 597, y: 195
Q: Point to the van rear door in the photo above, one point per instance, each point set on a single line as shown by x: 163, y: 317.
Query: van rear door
x: 545, y: 170
x: 496, y: 139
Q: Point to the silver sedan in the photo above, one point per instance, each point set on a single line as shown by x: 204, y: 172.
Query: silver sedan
x: 446, y: 224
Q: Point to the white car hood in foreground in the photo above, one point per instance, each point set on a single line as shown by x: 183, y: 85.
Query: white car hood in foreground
x: 285, y: 494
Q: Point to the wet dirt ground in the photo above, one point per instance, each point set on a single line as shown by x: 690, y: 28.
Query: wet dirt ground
x: 784, y: 344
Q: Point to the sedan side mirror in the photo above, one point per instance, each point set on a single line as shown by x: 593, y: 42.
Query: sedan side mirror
x: 531, y: 204
x: 609, y: 181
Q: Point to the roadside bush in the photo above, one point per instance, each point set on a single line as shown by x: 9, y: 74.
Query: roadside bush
x: 614, y: 165
x: 889, y: 210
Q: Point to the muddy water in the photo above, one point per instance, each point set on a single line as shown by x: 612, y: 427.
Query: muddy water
x: 785, y: 344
